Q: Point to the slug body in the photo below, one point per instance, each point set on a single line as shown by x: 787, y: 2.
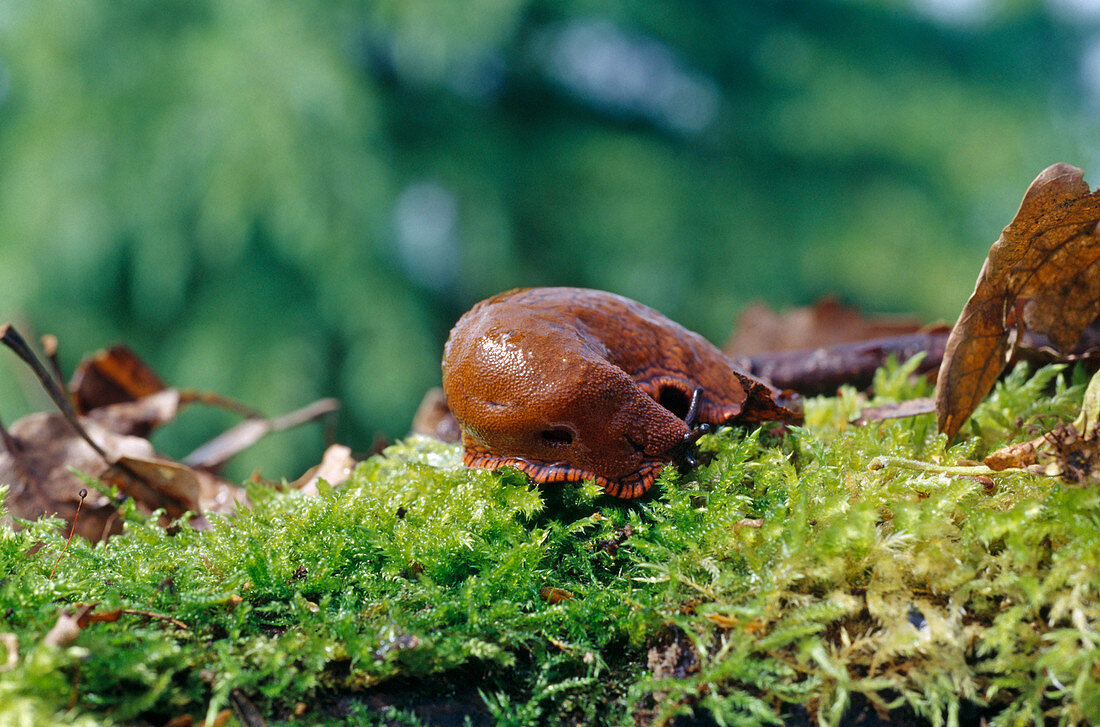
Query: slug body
x: 568, y: 384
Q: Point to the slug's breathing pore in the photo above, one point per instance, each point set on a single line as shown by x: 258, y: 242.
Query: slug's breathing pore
x: 568, y: 384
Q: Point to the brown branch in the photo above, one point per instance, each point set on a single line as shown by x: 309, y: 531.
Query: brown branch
x: 159, y: 616
x: 823, y: 370
x: 87, y: 614
x: 49, y: 347
x: 209, y: 398
x: 218, y: 450
x: 13, y: 340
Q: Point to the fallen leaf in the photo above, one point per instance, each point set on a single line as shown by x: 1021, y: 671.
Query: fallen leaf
x: 827, y: 322
x: 433, y: 418
x: 815, y: 349
x: 219, y: 719
x: 123, y: 401
x: 155, y: 479
x: 157, y: 483
x: 895, y: 410
x: 1019, y: 455
x: 48, y: 451
x: 336, y: 466
x: 1062, y: 452
x: 139, y: 417
x: 68, y: 626
x: 40, y: 471
x: 1041, y: 275
x: 554, y: 595
x: 112, y: 376
x: 182, y: 720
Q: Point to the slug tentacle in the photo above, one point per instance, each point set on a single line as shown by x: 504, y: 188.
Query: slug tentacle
x: 693, y: 408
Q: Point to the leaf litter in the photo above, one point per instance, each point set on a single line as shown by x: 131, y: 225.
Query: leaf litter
x: 99, y: 434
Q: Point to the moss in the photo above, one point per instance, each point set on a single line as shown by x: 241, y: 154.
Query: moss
x: 783, y: 572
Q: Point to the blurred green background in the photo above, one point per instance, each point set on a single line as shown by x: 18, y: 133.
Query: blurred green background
x: 288, y: 199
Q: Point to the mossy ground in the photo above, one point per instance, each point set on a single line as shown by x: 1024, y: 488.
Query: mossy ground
x: 785, y: 572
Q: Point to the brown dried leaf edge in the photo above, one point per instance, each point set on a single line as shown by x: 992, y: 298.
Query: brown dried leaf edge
x: 1044, y: 269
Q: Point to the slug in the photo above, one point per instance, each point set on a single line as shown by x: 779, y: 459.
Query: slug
x: 568, y: 384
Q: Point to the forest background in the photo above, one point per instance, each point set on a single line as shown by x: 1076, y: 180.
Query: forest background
x: 286, y: 200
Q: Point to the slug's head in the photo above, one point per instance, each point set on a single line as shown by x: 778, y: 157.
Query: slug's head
x: 556, y: 409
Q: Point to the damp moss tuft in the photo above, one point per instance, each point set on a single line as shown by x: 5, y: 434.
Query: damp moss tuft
x: 783, y: 575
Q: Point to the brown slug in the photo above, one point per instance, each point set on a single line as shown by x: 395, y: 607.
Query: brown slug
x: 568, y: 384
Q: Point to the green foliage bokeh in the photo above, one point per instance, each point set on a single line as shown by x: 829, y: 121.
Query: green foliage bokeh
x: 288, y: 200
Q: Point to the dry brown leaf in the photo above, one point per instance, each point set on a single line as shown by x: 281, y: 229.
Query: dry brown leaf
x: 823, y: 370
x: 894, y: 410
x: 141, y: 416
x: 40, y: 472
x: 1019, y: 455
x: 335, y: 468
x: 1044, y: 270
x: 552, y: 595
x: 433, y: 418
x: 157, y: 482
x: 71, y: 620
x: 723, y: 621
x: 826, y: 323
x: 182, y: 720
x: 123, y: 400
x: 748, y: 522
x: 110, y: 377
x: 815, y: 349
x: 42, y: 482
x: 68, y: 625
x: 1062, y: 452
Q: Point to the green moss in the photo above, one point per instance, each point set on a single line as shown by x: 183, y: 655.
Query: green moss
x: 784, y: 572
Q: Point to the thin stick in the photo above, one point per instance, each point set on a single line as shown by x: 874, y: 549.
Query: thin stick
x: 11, y: 338
x: 83, y: 494
x: 309, y: 412
x: 879, y: 463
x: 49, y: 347
x: 209, y: 398
x: 822, y: 370
x: 217, y: 451
x: 150, y: 614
